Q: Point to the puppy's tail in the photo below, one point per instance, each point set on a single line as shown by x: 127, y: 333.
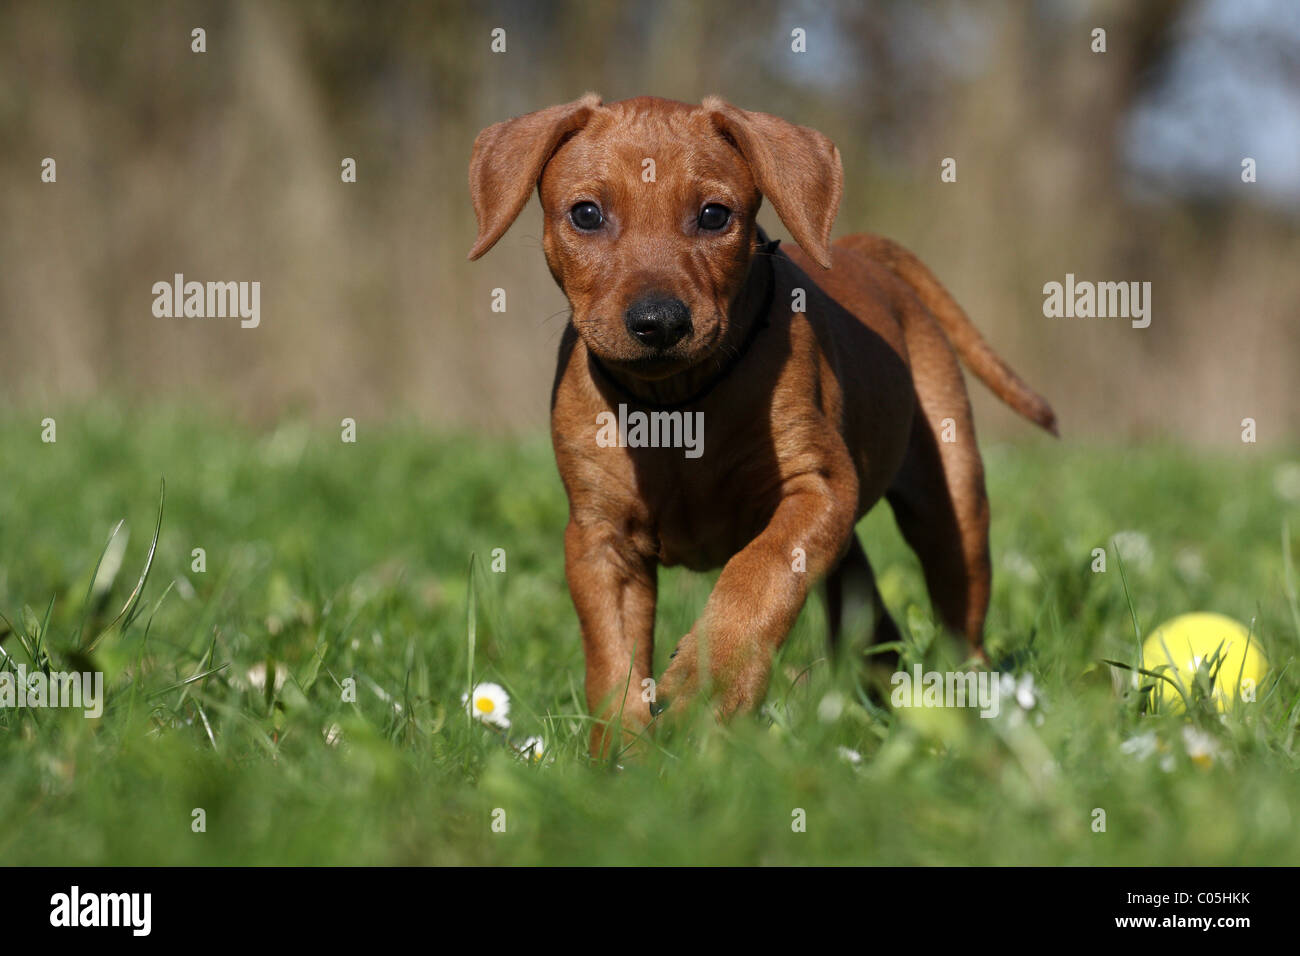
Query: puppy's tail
x: 965, y: 338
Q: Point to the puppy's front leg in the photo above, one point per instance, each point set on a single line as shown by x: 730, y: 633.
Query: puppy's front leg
x: 614, y: 589
x: 760, y: 593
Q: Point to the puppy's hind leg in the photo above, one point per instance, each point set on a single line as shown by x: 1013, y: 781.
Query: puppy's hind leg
x: 942, y: 510
x: 854, y: 605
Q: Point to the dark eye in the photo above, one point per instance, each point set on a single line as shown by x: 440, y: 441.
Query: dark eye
x: 714, y: 217
x: 586, y: 216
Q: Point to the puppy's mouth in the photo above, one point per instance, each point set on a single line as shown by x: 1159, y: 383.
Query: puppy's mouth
x: 653, y: 365
x: 650, y: 368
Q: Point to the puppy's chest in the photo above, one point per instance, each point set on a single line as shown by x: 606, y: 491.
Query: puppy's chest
x: 700, y: 512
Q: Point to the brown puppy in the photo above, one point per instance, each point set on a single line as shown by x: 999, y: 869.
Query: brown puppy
x: 794, y: 405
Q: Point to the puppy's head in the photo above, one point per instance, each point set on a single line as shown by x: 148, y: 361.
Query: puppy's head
x: 649, y: 213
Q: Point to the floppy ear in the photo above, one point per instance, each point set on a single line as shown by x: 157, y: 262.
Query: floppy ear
x: 795, y: 167
x: 508, y: 160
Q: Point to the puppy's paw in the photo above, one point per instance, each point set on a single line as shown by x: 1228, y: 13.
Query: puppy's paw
x: 681, y: 681
x: 734, y: 684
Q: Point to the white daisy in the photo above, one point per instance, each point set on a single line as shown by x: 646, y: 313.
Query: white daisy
x: 830, y: 708
x: 490, y: 703
x: 1200, y: 746
x: 257, y: 675
x: 1134, y: 548
x: 532, y: 748
x: 1026, y: 695
x: 1141, y: 746
x: 1024, y: 691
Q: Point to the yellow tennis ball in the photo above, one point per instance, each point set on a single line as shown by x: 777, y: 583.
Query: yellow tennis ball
x: 1186, y: 641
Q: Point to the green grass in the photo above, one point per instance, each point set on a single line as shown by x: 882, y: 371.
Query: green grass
x: 332, y: 561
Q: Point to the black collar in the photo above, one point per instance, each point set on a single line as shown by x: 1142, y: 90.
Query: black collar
x: 766, y: 250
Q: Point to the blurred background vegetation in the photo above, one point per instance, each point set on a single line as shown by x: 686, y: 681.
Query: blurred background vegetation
x: 225, y: 166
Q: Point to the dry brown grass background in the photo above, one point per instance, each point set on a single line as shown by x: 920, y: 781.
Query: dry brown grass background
x: 225, y: 166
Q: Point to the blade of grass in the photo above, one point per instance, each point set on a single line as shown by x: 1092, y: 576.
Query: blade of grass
x: 1289, y: 578
x: 129, y: 609
x: 94, y: 576
x: 471, y: 633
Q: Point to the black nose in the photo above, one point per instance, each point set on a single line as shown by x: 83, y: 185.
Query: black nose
x: 658, y: 321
